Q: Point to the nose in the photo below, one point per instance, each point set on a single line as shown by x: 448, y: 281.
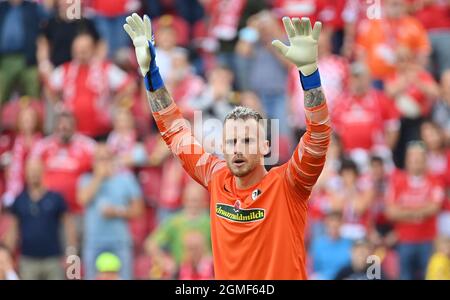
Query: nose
x: 238, y: 147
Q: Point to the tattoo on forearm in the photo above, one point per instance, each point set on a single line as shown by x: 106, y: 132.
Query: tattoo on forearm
x: 159, y: 99
x: 314, y: 97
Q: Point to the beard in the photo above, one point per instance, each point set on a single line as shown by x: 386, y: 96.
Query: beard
x: 241, y: 171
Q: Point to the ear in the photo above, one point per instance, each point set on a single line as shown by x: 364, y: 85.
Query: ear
x: 266, y: 148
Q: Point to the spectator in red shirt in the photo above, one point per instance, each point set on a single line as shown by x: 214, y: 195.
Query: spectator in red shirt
x: 197, y: 262
x: 57, y: 35
x: 414, y: 200
x: 438, y: 164
x: 414, y: 91
x: 331, y: 14
x: 353, y: 197
x: 438, y: 155
x: 89, y: 87
x: 365, y: 119
x: 28, y: 136
x: 65, y: 155
x: 298, y: 8
x: 435, y: 17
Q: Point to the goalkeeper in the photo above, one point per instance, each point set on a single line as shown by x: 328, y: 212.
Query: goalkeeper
x: 257, y: 217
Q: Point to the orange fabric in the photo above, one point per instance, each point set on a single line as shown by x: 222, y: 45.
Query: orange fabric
x: 379, y: 40
x: 256, y: 233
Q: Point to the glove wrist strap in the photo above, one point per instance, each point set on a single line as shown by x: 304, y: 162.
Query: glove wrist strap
x: 311, y: 81
x: 153, y: 80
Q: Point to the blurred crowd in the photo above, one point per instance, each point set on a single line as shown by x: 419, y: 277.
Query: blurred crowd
x: 83, y: 170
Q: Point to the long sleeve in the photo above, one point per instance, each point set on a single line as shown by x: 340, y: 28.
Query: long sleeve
x: 306, y: 164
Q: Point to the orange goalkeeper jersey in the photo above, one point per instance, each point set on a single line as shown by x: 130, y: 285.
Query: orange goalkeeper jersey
x: 257, y: 233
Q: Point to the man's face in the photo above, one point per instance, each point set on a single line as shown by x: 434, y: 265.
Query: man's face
x: 333, y: 225
x: 221, y: 77
x: 65, y: 128
x: 432, y: 136
x: 123, y: 121
x: 104, y: 159
x: 83, y: 49
x: 359, y: 256
x: 180, y: 67
x: 34, y: 172
x: 194, y: 198
x: 244, y: 146
x: 349, y: 176
x: 166, y: 38
x: 416, y: 161
x: 377, y: 170
x: 394, y: 9
x: 28, y: 120
x: 360, y: 83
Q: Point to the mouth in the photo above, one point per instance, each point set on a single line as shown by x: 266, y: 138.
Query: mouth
x: 239, y: 162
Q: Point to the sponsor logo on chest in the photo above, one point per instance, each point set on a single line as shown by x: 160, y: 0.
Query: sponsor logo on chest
x: 237, y: 214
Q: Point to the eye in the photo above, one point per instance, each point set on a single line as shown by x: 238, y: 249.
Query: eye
x: 248, y: 140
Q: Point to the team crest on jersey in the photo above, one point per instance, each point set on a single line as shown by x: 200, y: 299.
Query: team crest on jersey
x: 237, y: 214
x: 256, y: 193
x: 237, y: 206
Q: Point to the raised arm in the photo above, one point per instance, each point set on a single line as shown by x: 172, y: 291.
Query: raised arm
x: 174, y: 129
x: 308, y: 159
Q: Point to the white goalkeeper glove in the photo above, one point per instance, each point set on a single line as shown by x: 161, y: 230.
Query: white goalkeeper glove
x: 303, y: 49
x: 140, y: 32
